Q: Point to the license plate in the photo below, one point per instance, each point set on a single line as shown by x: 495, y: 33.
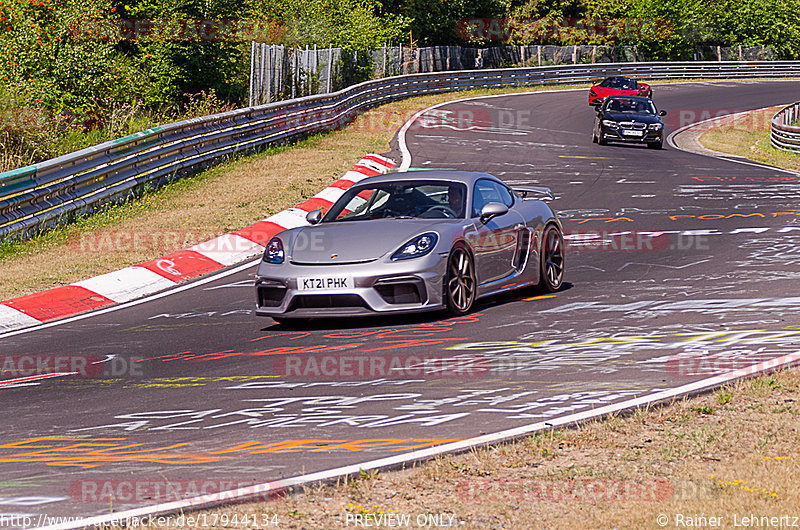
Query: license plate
x: 324, y: 282
x: 633, y: 133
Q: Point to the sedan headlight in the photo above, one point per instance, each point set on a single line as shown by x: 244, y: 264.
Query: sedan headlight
x: 274, y: 252
x: 610, y: 123
x: 417, y: 247
x: 655, y: 126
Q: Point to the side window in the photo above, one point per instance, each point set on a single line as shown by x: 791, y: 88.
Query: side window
x: 487, y: 191
x: 506, y: 195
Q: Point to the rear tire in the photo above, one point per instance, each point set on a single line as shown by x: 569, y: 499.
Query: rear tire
x: 551, y: 259
x: 460, y: 285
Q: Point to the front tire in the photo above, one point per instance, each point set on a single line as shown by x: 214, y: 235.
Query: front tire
x: 656, y: 145
x: 551, y: 259
x: 460, y: 285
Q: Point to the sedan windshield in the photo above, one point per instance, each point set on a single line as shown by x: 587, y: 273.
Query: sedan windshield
x: 631, y: 105
x: 422, y: 199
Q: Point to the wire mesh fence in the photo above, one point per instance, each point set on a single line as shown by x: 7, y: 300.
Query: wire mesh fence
x: 278, y: 72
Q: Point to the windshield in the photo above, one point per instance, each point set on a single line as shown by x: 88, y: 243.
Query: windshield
x: 423, y: 199
x: 631, y: 105
x: 622, y: 83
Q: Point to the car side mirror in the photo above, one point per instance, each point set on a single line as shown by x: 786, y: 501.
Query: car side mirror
x: 314, y: 217
x: 492, y: 210
x: 662, y: 113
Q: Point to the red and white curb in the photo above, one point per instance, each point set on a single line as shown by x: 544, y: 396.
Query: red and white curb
x: 138, y: 281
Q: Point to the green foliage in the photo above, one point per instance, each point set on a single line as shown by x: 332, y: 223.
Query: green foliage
x: 663, y: 29
x: 40, y: 56
x: 351, y: 24
x: 774, y: 23
x: 435, y: 22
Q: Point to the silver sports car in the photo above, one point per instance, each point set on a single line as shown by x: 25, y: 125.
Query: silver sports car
x: 408, y: 242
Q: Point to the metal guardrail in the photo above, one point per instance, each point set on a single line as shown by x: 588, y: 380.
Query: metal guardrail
x: 783, y: 134
x: 42, y: 195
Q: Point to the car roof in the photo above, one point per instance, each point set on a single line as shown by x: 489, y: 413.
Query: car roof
x: 466, y: 177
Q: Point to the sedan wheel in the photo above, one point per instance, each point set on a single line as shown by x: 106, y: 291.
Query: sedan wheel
x: 460, y: 283
x: 552, y: 259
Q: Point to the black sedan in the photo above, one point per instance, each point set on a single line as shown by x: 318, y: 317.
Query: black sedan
x: 629, y: 119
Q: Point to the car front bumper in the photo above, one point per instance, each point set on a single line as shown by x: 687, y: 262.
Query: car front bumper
x: 403, y: 286
x: 618, y: 135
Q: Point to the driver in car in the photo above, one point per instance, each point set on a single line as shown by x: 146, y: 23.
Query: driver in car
x: 455, y: 199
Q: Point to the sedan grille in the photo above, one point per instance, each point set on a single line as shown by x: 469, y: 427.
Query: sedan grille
x: 632, y: 125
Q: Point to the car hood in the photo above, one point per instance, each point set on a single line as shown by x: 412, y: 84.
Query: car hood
x: 355, y: 241
x: 621, y: 91
x: 627, y: 116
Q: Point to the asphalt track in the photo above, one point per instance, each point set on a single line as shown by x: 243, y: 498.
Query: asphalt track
x: 680, y: 266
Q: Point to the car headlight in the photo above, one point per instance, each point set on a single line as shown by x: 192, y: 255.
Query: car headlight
x: 274, y: 252
x: 655, y: 126
x: 419, y: 246
x: 610, y: 123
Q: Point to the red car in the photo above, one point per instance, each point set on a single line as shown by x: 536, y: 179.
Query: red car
x: 618, y: 86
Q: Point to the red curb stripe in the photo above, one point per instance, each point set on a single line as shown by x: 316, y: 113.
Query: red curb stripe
x: 380, y: 160
x: 260, y: 232
x: 364, y: 170
x: 314, y: 203
x: 342, y: 184
x: 182, y: 265
x: 58, y: 303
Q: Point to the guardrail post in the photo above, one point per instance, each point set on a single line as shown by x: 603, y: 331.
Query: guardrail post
x: 252, y: 71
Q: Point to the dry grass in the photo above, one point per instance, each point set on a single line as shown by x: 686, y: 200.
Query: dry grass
x: 748, y: 136
x: 729, y: 453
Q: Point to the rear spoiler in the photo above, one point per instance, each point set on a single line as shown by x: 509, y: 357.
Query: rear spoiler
x: 525, y: 191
